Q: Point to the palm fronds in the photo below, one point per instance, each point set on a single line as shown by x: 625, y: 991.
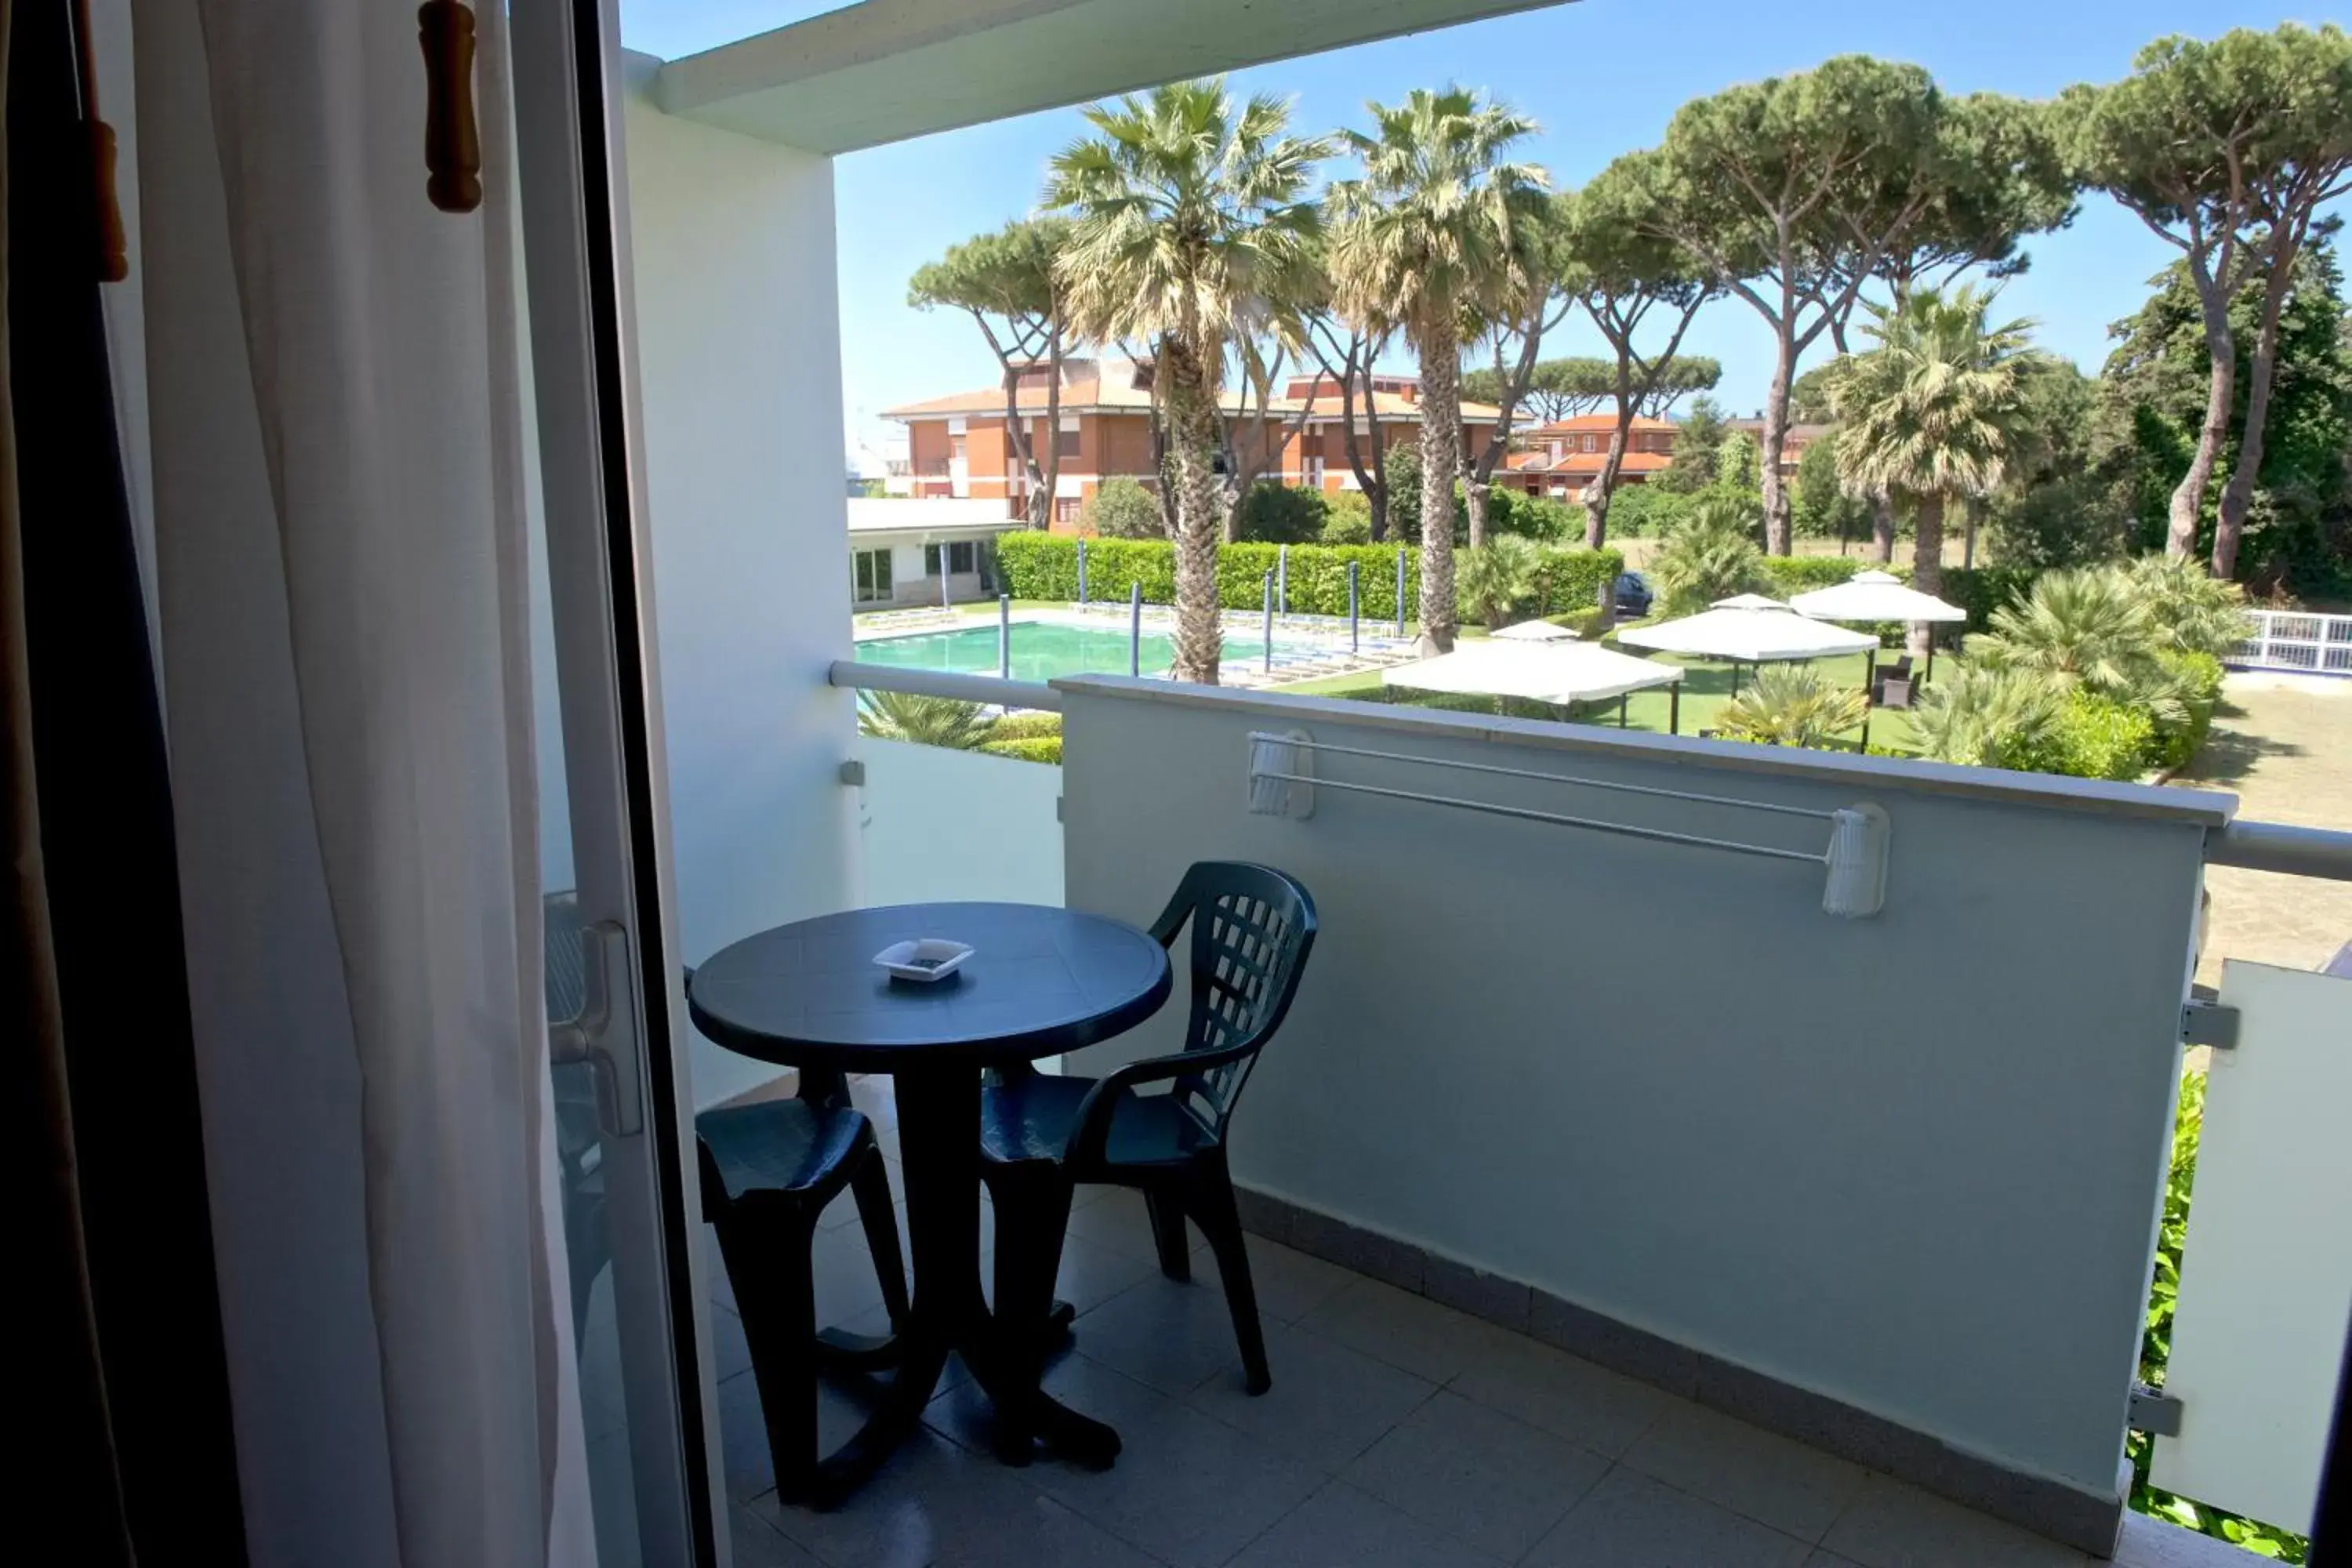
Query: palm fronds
x: 1792, y: 705
x: 924, y: 720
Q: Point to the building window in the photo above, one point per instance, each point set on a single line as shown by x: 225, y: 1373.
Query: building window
x: 1066, y: 509
x: 869, y: 572
x: 956, y: 448
x: 1591, y: 443
x: 1066, y: 441
x: 963, y: 558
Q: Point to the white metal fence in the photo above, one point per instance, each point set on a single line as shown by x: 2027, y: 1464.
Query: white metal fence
x: 2293, y: 640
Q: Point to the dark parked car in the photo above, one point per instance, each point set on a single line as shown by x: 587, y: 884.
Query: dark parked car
x: 1634, y: 595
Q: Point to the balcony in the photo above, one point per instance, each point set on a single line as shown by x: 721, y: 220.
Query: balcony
x: 1613, y: 1203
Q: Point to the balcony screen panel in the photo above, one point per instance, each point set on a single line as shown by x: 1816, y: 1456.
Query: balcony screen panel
x: 940, y: 825
x: 2266, y: 1265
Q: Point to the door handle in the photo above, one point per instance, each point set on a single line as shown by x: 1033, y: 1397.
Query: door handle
x: 603, y: 1035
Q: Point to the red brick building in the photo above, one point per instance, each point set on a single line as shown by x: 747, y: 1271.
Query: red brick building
x: 956, y: 446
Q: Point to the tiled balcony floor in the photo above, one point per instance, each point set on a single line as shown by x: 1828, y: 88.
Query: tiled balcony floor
x: 1398, y: 1432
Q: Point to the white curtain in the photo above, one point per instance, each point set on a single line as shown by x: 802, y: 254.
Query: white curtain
x: 335, y: 433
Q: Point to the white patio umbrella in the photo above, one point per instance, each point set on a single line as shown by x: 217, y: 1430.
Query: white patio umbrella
x: 1752, y: 629
x: 1537, y: 631
x: 1877, y: 596
x: 1748, y: 630
x: 1558, y: 673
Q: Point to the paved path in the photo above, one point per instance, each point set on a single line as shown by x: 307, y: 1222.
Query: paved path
x: 2283, y: 743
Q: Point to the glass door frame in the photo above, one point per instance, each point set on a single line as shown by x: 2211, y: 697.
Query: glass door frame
x: 573, y: 210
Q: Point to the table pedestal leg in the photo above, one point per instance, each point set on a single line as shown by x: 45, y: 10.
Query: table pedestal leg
x: 938, y: 1123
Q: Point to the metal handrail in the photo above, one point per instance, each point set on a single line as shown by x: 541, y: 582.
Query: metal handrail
x: 988, y: 689
x: 2283, y: 848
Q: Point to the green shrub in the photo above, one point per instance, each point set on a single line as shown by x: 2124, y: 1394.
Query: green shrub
x: 1495, y: 584
x: 1282, y: 514
x: 2199, y: 679
x: 1981, y: 590
x: 1645, y: 511
x: 1790, y: 574
x: 1348, y: 518
x: 1026, y: 727
x: 1538, y: 518
x: 1121, y: 508
x: 1401, y: 471
x: 1046, y: 566
x: 2092, y: 738
x: 1028, y: 749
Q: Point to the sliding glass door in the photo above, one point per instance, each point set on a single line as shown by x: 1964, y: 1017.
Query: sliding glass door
x: 622, y: 1112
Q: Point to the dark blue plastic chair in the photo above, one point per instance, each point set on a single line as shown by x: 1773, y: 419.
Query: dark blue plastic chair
x: 1042, y: 1134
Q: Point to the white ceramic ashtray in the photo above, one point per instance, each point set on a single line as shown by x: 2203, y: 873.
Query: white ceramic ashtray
x: 925, y: 959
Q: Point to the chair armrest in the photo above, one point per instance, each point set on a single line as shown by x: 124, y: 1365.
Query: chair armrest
x: 1092, y: 1136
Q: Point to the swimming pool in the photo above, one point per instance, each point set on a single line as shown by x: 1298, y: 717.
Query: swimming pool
x: 1042, y: 650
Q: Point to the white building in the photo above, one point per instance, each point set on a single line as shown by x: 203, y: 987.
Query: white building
x: 898, y: 548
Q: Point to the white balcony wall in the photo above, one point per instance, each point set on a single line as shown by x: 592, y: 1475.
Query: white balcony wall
x: 1912, y: 1163
x: 940, y: 825
x: 739, y: 340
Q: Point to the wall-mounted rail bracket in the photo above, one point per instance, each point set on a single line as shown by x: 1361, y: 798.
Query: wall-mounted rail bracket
x: 2209, y: 1023
x: 2155, y: 1412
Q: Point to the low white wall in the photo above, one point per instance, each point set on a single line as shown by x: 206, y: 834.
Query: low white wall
x: 740, y: 357
x: 938, y: 826
x: 1913, y: 1161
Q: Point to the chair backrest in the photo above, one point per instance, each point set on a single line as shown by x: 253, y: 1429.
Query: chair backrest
x: 1900, y: 667
x: 1252, y: 930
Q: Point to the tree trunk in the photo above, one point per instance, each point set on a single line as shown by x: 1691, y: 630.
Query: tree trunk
x: 1969, y: 508
x: 1776, y: 438
x: 1882, y: 526
x: 1048, y: 463
x: 1191, y: 480
x: 1926, y: 563
x: 2188, y: 499
x: 2239, y: 493
x: 1595, y: 496
x: 1441, y: 445
x: 1474, y: 491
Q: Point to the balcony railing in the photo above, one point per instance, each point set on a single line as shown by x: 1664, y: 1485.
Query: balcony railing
x: 1887, y: 1185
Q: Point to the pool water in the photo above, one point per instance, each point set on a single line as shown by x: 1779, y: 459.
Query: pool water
x: 1041, y: 650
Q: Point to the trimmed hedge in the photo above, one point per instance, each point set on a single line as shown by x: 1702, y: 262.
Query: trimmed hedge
x: 1028, y: 749
x: 1026, y: 727
x: 1046, y: 566
x: 1802, y: 573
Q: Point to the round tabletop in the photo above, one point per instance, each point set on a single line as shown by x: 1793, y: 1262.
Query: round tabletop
x: 1039, y: 981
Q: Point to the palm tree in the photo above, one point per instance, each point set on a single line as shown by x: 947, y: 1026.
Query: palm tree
x: 1792, y: 705
x: 1496, y: 578
x: 924, y: 720
x: 1190, y: 226
x: 2193, y: 611
x: 1439, y: 227
x: 2094, y: 630
x: 1981, y: 713
x: 1710, y: 555
x: 1931, y: 413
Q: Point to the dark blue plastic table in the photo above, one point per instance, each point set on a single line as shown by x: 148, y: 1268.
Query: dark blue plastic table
x: 1040, y: 982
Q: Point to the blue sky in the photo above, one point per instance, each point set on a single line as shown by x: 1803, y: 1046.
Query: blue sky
x: 1602, y: 77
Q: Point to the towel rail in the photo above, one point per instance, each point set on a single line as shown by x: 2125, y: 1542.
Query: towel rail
x: 1816, y: 813
x: 1282, y: 784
